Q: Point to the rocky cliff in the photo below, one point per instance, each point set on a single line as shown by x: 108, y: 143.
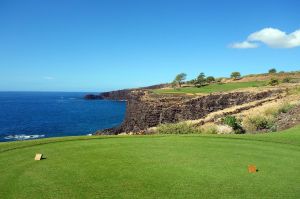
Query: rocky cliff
x: 121, y: 94
x: 145, y: 110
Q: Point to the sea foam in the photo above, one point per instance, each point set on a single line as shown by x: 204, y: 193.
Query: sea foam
x: 23, y: 137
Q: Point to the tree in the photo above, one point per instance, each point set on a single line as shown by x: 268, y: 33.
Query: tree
x: 236, y: 75
x: 173, y: 84
x: 200, y: 80
x: 272, y: 71
x: 191, y: 81
x: 210, y: 79
x: 180, y: 78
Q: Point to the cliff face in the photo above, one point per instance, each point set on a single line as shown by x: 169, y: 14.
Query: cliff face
x: 145, y: 110
x: 121, y: 94
x: 116, y: 95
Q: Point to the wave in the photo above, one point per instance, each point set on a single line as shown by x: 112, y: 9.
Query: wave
x: 23, y: 137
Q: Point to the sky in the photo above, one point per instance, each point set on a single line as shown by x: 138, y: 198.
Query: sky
x: 101, y: 45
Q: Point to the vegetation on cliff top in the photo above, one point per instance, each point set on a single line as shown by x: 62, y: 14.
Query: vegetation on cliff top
x: 210, y: 84
x: 216, y: 87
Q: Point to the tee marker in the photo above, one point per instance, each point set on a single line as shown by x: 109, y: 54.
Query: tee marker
x: 252, y: 169
x: 38, y: 156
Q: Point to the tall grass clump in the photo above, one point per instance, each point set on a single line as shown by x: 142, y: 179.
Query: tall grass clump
x: 258, y: 122
x: 209, y: 128
x: 265, y: 120
x: 284, y: 108
x: 178, y: 128
x: 294, y: 91
x: 287, y: 80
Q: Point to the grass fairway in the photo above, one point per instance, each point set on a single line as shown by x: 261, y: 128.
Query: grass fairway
x: 211, y: 88
x: 187, y: 166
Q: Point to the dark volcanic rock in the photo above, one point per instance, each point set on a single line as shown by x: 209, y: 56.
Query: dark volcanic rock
x: 122, y: 94
x: 145, y: 110
x: 289, y: 119
x: 116, y: 95
x: 93, y: 97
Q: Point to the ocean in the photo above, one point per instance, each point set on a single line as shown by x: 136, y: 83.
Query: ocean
x: 31, y: 115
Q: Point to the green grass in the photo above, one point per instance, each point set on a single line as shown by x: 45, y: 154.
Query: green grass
x: 211, y: 88
x: 159, y: 166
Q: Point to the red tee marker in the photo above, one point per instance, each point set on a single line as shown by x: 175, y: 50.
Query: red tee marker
x: 252, y: 169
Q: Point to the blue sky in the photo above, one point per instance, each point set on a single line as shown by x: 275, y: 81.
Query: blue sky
x: 78, y: 45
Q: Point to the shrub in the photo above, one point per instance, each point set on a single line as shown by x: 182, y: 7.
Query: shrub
x: 258, y: 122
x: 209, y: 129
x: 210, y: 79
x: 265, y: 120
x: 287, y: 80
x: 234, y: 124
x: 219, y: 80
x: 178, y: 128
x: 224, y: 129
x: 273, y: 82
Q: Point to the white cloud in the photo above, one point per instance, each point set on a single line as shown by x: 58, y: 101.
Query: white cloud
x: 244, y: 44
x: 48, y: 78
x: 272, y: 37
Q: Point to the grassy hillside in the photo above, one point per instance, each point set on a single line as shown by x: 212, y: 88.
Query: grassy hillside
x: 211, y: 88
x: 190, y: 166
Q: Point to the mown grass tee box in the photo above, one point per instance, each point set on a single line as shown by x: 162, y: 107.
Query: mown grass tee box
x: 158, y: 166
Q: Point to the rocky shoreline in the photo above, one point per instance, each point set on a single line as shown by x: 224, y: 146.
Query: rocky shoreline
x: 145, y: 109
x: 121, y: 94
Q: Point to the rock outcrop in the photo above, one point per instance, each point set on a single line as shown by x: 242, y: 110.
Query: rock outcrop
x: 122, y: 94
x: 145, y: 110
x: 93, y: 97
x: 289, y: 119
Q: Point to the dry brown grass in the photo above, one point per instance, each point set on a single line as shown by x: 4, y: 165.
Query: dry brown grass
x: 265, y: 77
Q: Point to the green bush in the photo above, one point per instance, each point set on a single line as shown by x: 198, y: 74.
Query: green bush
x: 273, y: 82
x: 178, y: 128
x: 210, y: 79
x: 234, y: 124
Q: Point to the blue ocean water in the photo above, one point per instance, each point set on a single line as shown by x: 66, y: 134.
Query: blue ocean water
x: 29, y: 115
